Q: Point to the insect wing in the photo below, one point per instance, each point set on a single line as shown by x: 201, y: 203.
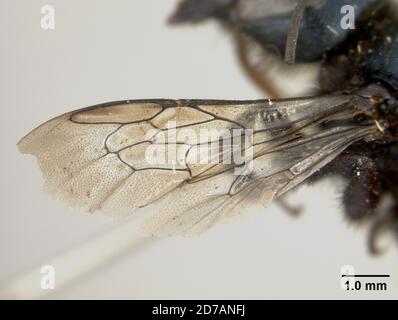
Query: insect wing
x: 97, y: 158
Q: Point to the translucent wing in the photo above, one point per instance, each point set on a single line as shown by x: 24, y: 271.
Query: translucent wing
x: 97, y: 158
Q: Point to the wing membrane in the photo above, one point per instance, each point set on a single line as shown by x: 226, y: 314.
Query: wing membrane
x: 95, y: 158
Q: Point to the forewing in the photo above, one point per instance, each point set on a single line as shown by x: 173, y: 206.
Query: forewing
x: 96, y: 158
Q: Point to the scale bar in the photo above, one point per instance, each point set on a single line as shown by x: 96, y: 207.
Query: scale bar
x: 365, y: 275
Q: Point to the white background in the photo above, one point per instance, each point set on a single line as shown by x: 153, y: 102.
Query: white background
x: 111, y: 50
